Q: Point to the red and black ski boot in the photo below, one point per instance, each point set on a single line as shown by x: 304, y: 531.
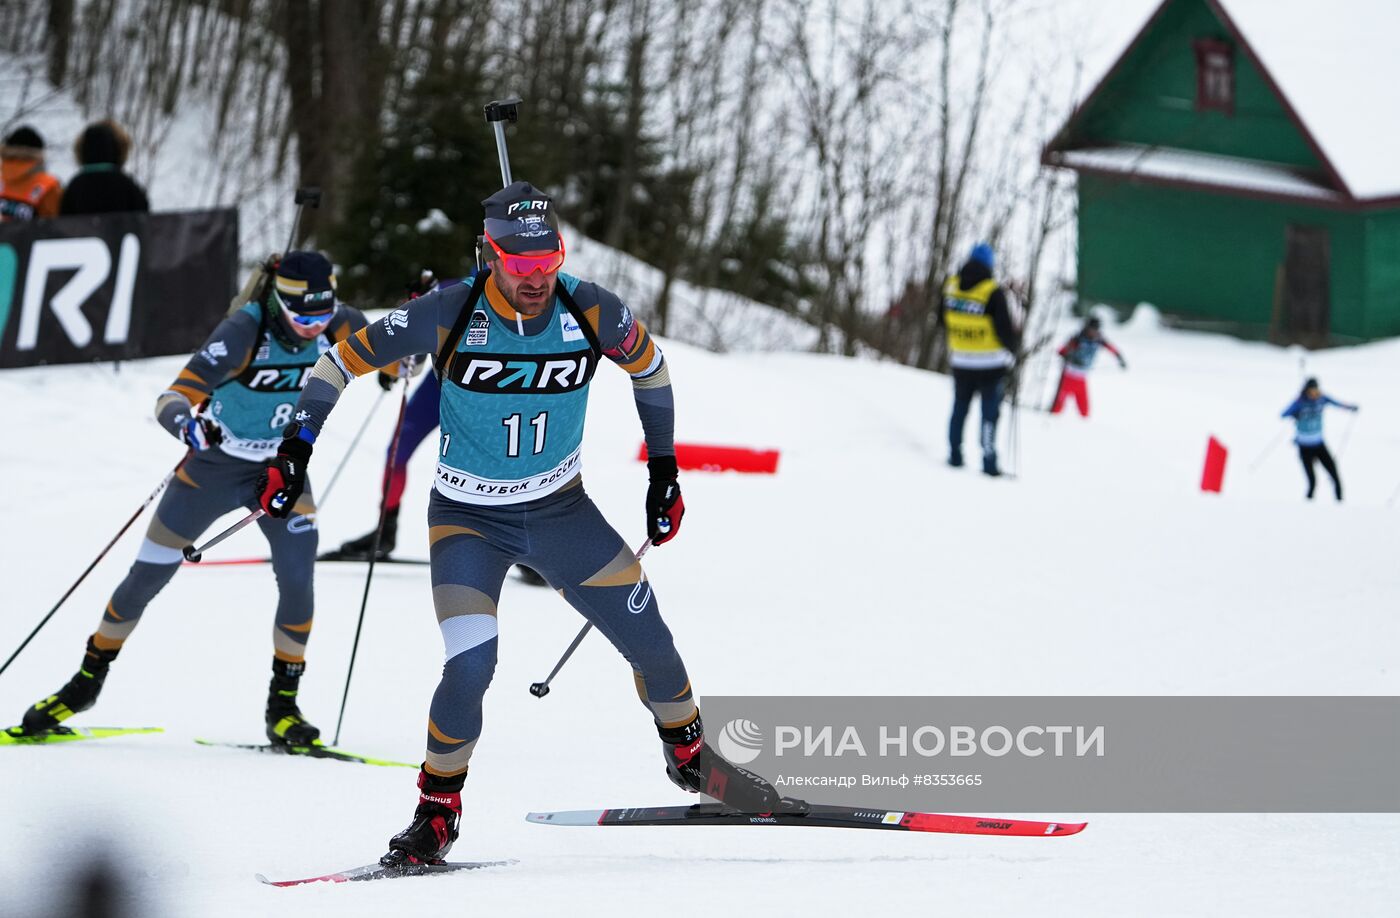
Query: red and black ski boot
x: 430, y: 835
x: 695, y: 767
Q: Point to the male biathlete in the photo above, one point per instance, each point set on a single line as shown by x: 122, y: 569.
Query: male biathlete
x: 516, y: 347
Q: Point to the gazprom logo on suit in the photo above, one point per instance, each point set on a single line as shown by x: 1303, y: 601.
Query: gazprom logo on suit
x: 515, y: 374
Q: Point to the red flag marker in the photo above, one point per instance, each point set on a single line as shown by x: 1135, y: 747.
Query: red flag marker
x: 1213, y: 475
x: 697, y: 457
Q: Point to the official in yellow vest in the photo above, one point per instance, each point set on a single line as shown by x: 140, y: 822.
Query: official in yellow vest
x: 983, y: 340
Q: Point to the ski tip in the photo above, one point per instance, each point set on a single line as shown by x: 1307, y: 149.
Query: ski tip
x: 1066, y: 828
x: 567, y: 818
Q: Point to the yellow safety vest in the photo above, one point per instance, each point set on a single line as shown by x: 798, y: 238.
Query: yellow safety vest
x: 972, y: 338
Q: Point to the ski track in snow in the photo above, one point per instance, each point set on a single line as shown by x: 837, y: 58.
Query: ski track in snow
x: 865, y: 566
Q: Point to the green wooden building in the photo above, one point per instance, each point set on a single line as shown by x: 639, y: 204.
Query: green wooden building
x: 1240, y: 165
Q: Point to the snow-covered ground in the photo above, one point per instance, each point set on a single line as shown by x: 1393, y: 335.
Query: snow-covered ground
x: 1102, y: 570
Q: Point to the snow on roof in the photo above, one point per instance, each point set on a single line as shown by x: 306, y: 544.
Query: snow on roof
x: 1196, y: 168
x: 1337, y: 66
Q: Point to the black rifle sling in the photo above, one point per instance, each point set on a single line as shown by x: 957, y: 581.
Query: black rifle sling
x: 567, y: 299
x: 449, y: 346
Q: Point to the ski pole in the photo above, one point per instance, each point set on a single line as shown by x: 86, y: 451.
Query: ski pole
x: 193, y: 555
x: 541, y: 689
x: 373, y: 554
x: 1346, y: 435
x: 1014, y: 435
x: 1268, y: 450
x: 344, y: 460
x: 102, y: 554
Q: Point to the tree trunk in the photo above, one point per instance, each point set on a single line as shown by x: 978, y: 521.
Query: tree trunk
x: 299, y: 39
x: 632, y: 136
x: 60, y: 37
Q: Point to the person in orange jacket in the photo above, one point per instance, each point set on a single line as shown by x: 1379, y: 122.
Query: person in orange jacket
x: 27, y: 192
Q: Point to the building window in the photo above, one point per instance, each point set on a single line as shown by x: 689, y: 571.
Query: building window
x: 1215, y: 76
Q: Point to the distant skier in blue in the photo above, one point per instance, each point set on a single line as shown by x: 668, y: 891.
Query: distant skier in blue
x: 1306, y: 412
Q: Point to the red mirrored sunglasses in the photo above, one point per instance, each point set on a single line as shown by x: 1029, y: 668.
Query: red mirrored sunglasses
x: 525, y: 265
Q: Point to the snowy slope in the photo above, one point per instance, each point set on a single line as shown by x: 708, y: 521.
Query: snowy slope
x: 1111, y: 574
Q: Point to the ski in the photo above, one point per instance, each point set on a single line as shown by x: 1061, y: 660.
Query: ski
x: 314, y: 752
x: 823, y: 815
x: 378, y: 872
x: 15, y: 736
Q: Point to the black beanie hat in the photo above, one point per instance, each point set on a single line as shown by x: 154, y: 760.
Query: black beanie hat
x: 25, y: 137
x: 306, y: 282
x: 520, y: 218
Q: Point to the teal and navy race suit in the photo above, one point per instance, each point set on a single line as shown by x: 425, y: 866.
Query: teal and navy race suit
x: 249, y: 375
x: 1307, y: 416
x: 508, y: 486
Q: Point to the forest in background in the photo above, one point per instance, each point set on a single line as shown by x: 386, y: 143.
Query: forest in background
x: 831, y: 158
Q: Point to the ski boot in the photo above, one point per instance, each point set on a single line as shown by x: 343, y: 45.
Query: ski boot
x: 430, y: 835
x: 693, y: 766
x: 78, y: 695
x: 285, y: 724
x: 359, y: 549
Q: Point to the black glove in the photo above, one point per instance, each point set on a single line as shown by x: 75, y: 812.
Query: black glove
x: 665, y: 507
x: 387, y: 378
x: 281, y: 483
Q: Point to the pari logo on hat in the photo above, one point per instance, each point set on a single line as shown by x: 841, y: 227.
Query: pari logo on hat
x: 305, y: 282
x: 518, y: 206
x: 520, y: 218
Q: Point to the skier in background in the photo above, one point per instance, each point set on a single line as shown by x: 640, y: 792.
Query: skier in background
x: 27, y: 192
x: 1079, y: 353
x: 1306, y: 412
x: 516, y: 349
x: 420, y: 419
x: 983, y: 337
x: 247, y: 377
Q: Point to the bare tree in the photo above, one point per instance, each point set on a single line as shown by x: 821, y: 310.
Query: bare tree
x: 840, y: 78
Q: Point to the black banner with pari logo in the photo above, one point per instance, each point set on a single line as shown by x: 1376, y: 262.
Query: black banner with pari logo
x: 114, y: 286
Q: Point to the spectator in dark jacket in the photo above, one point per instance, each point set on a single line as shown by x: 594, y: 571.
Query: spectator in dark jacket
x: 101, y: 187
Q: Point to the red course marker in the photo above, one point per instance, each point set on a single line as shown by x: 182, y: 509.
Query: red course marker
x: 700, y: 458
x: 1213, y: 473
